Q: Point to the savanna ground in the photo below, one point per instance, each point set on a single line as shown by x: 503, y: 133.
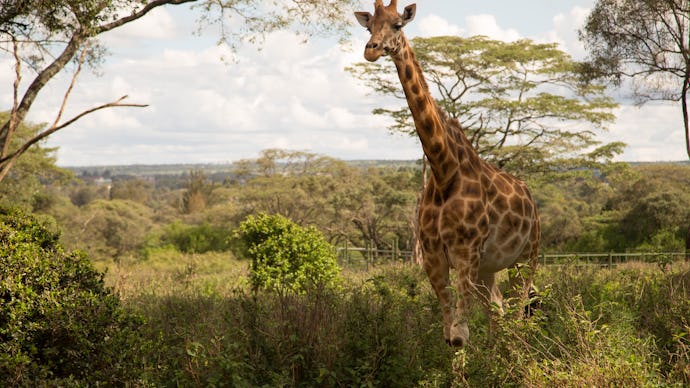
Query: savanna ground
x: 627, y: 326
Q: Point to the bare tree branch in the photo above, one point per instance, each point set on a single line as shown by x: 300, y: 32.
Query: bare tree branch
x: 80, y: 63
x: 7, y: 161
x: 39, y: 82
x: 138, y: 14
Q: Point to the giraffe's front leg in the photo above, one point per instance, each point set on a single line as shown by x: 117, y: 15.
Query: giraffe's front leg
x: 459, y: 330
x: 437, y: 270
x: 467, y: 264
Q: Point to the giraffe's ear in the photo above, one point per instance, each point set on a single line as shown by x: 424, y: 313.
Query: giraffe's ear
x: 363, y: 18
x: 408, y: 13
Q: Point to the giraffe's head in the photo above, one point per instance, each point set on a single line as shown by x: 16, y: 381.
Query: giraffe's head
x: 385, y: 26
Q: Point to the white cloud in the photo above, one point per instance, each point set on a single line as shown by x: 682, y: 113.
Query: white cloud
x: 482, y: 24
x: 289, y: 95
x: 434, y: 25
x: 6, y: 79
x: 652, y: 132
x: 304, y: 117
x: 487, y: 25
x: 564, y: 32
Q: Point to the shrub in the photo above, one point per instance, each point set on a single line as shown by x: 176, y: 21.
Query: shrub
x: 285, y: 256
x: 58, y: 322
x: 200, y: 238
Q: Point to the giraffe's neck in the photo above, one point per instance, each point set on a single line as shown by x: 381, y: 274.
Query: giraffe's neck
x: 438, y: 144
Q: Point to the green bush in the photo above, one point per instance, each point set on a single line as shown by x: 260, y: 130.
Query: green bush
x: 200, y: 238
x: 285, y: 256
x: 58, y: 323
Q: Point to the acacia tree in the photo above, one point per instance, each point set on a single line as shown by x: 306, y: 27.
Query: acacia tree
x: 647, y: 42
x: 524, y: 106
x: 43, y: 37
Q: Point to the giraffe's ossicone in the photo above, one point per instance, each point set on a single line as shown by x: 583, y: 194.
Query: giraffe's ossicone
x: 473, y: 217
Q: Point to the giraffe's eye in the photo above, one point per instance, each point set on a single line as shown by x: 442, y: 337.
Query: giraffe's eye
x: 397, y: 26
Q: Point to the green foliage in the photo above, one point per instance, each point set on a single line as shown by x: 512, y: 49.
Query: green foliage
x: 346, y: 203
x: 653, y: 210
x: 621, y: 327
x: 85, y: 194
x: 135, y: 190
x: 195, y: 238
x: 285, y: 256
x: 26, y: 184
x: 593, y: 328
x: 59, y: 325
x: 108, y: 230
x: 382, y: 331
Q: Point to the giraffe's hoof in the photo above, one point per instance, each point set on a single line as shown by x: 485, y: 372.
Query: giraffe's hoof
x: 459, y: 334
x: 457, y: 342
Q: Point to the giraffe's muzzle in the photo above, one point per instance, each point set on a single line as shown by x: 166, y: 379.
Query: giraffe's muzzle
x: 373, y: 51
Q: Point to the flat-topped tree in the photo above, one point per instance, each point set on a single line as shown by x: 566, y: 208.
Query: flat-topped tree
x: 524, y: 106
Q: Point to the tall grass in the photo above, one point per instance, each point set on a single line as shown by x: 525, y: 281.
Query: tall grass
x: 627, y: 326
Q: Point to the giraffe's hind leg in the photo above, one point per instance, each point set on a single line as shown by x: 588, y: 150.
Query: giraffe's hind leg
x: 522, y: 280
x: 491, y: 297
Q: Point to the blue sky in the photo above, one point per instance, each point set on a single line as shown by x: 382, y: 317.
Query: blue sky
x: 203, y: 109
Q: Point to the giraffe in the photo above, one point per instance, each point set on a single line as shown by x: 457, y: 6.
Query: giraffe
x: 473, y: 217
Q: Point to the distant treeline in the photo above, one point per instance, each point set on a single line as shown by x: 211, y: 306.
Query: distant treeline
x: 214, y: 171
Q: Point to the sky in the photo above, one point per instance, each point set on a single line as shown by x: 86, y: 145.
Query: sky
x: 209, y: 105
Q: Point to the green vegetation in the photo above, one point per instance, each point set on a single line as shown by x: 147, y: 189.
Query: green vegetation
x: 194, y: 304
x: 185, y: 311
x: 228, y: 277
x: 286, y: 257
x: 616, y: 207
x: 59, y: 324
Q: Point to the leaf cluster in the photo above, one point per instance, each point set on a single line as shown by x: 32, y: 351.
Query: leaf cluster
x: 58, y: 322
x: 286, y: 257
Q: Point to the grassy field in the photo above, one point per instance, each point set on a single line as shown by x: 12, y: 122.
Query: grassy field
x: 629, y: 326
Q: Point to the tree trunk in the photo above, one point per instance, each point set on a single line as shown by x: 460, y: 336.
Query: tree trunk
x: 684, y: 102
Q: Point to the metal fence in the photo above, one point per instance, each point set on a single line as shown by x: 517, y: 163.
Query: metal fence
x: 369, y: 256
